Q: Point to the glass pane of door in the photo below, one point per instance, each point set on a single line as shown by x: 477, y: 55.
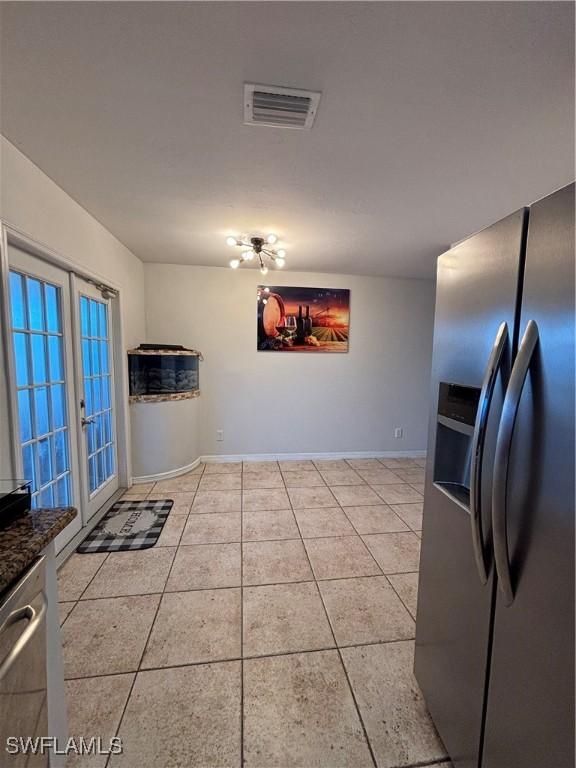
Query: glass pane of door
x: 41, y: 388
x: 97, y: 404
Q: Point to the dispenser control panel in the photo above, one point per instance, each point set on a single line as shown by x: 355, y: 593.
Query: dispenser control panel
x: 458, y: 402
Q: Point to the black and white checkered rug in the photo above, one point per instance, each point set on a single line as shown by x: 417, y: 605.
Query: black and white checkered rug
x: 128, y: 525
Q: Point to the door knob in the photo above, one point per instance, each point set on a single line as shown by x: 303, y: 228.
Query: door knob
x: 86, y: 421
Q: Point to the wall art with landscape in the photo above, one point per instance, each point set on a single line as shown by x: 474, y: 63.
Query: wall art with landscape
x: 303, y: 319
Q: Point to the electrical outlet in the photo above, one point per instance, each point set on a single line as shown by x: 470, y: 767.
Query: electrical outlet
x: 220, y: 435
x: 398, y: 432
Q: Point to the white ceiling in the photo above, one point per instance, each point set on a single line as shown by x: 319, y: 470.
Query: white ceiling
x: 436, y: 119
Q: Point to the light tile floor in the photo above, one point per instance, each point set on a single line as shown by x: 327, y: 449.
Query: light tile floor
x: 271, y: 626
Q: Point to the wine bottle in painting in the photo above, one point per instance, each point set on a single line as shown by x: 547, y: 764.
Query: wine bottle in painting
x: 300, y: 327
x: 308, y: 322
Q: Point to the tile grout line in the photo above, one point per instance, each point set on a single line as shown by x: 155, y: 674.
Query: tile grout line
x: 395, y: 591
x: 180, y: 536
x: 139, y: 666
x: 79, y: 598
x: 363, y: 483
x: 91, y: 580
x: 369, y: 745
x: 136, y: 671
x: 336, y: 505
x: 241, y: 659
x: 398, y: 593
x: 229, y: 659
x: 365, y: 545
x: 75, y: 603
x: 407, y: 528
x: 281, y: 538
x: 237, y: 586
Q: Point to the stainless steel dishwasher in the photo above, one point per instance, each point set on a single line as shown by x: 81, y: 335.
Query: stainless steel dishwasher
x: 23, y: 700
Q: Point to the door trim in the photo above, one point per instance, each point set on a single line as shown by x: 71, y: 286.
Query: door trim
x: 12, y: 236
x: 23, y: 263
x: 9, y: 364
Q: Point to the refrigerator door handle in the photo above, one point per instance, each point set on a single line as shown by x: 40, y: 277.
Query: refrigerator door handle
x: 478, y: 441
x: 502, y: 458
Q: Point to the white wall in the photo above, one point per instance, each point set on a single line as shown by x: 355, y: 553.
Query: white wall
x: 33, y: 203
x: 299, y: 402
x: 165, y: 436
x: 265, y: 403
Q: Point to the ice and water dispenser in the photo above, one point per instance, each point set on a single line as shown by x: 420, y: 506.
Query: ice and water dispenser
x: 457, y: 408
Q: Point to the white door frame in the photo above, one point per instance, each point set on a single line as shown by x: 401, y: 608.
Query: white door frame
x: 26, y: 264
x: 10, y: 235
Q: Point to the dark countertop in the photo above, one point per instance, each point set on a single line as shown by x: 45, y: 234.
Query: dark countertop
x: 25, y: 537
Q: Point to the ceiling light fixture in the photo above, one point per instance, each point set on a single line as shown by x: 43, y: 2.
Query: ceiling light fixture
x: 256, y: 246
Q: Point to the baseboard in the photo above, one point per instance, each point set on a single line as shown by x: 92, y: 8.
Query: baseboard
x: 167, y: 475
x: 216, y: 458
x: 308, y: 456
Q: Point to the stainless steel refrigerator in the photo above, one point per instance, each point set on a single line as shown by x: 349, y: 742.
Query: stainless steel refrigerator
x: 495, y: 622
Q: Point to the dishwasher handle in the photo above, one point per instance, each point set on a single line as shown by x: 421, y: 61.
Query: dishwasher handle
x: 34, y: 618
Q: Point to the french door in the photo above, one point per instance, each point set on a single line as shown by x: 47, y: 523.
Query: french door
x: 96, y: 395
x: 62, y: 387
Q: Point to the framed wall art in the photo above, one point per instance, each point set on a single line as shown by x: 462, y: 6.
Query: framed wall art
x: 303, y: 319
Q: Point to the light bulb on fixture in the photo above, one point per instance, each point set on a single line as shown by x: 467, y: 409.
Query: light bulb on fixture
x: 264, y: 270
x: 248, y: 255
x: 235, y: 263
x: 271, y: 239
x: 231, y: 241
x: 280, y: 262
x: 281, y: 253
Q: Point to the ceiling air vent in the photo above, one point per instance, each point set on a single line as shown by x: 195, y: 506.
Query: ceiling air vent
x: 279, y: 107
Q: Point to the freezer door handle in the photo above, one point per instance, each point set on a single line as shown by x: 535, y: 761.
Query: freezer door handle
x: 478, y: 440
x: 502, y: 458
